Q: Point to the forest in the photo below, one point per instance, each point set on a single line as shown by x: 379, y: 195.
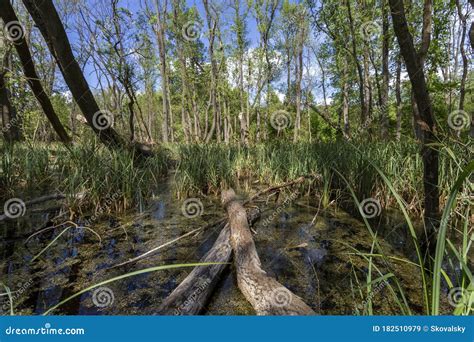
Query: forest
x: 236, y: 157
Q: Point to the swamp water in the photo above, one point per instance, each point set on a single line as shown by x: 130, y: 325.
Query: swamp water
x: 310, y: 256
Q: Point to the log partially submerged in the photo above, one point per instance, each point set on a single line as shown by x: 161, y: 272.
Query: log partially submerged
x: 192, y: 294
x: 267, y: 296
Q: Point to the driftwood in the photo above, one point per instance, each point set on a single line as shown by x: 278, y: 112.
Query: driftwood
x: 267, y: 296
x: 192, y: 294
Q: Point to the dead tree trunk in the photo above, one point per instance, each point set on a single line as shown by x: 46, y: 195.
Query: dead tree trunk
x: 193, y: 293
x: 267, y: 296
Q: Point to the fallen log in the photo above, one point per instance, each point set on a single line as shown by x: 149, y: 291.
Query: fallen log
x: 265, y: 294
x: 193, y: 293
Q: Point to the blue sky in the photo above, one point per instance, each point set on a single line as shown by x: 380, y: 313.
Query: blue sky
x: 253, y: 36
x: 135, y: 5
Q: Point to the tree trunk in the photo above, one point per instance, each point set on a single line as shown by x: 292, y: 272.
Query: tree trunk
x: 8, y: 113
x: 471, y: 30
x: 185, y: 118
x: 239, y: 23
x: 212, y: 26
x: 385, y: 70
x: 160, y: 32
x: 367, y: 88
x: 49, y: 23
x: 21, y: 46
x: 398, y: 96
x: 124, y: 73
x: 345, y: 102
x: 244, y: 132
x: 299, y: 78
x: 10, y: 120
x: 267, y: 296
x: 360, y: 73
x: 430, y: 155
x: 193, y: 293
x: 462, y: 87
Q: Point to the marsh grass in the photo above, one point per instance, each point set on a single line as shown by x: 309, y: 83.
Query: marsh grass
x: 92, y: 177
x: 431, y: 291
x: 90, y: 174
x: 96, y: 179
x: 205, y: 169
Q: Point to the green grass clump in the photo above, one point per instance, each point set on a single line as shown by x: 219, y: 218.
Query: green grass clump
x: 86, y: 174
